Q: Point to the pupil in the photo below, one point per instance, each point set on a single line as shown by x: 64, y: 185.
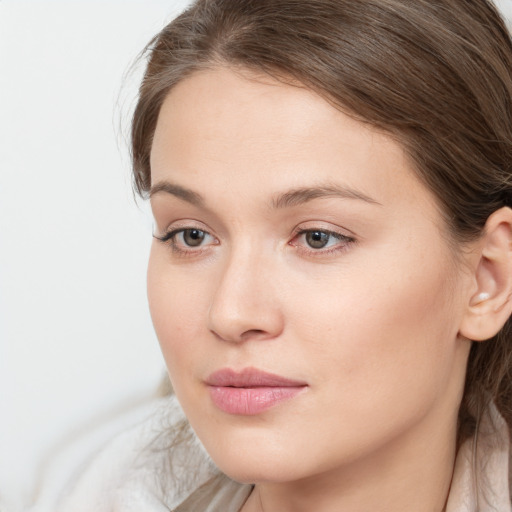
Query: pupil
x: 317, y: 239
x: 193, y: 237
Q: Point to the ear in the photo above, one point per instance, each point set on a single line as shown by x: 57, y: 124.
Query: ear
x: 490, y: 302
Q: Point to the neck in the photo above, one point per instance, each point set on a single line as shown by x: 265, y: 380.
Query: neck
x: 412, y: 473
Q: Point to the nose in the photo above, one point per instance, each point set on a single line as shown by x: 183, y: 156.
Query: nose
x: 245, y: 303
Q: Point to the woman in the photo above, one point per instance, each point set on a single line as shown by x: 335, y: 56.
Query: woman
x: 331, y: 275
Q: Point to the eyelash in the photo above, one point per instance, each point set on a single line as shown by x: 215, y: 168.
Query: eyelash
x: 169, y: 239
x: 345, y: 241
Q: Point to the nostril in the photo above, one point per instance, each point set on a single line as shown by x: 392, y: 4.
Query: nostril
x: 254, y: 334
x: 251, y: 334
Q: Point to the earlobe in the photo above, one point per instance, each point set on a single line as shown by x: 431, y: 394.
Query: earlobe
x: 490, y: 303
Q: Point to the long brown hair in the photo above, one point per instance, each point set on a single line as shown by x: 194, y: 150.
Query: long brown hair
x: 434, y: 74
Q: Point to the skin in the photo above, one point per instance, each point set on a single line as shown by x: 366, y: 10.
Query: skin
x: 370, y: 322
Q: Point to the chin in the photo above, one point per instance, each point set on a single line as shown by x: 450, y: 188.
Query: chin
x: 259, y: 470
x: 249, y: 457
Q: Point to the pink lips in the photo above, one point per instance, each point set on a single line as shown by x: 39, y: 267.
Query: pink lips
x: 250, y: 391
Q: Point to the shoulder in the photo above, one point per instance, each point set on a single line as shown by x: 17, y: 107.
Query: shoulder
x: 152, y: 464
x: 481, y: 475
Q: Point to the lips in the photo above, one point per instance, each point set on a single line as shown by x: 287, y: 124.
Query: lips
x: 250, y: 391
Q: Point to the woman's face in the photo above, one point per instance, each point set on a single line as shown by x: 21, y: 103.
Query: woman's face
x: 304, y: 293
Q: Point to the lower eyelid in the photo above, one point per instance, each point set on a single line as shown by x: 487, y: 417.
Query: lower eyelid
x: 344, y: 242
x: 170, y: 238
x: 174, y: 240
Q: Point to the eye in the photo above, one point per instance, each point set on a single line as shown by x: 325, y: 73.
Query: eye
x: 193, y: 237
x: 321, y: 241
x: 187, y: 240
x: 318, y: 239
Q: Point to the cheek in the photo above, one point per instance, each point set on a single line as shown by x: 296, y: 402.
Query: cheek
x: 383, y: 330
x: 178, y: 307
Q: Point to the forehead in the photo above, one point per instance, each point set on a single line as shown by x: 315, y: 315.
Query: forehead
x: 220, y: 130
x: 229, y: 105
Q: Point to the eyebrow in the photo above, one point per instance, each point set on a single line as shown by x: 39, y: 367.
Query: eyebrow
x: 288, y: 199
x: 178, y: 191
x: 304, y: 194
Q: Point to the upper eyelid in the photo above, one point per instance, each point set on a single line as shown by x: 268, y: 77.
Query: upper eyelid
x: 339, y: 236
x: 343, y: 243
x: 171, y: 233
x: 180, y: 226
x: 328, y: 231
x: 334, y: 230
x: 182, y: 249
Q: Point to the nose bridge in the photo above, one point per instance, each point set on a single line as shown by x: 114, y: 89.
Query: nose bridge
x: 244, y: 304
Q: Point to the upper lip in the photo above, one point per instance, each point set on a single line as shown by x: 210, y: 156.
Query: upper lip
x: 249, y: 378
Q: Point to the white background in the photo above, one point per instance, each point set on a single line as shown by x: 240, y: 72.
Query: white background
x: 76, y: 341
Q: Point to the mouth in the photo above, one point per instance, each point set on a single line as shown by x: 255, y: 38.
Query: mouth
x: 250, y: 391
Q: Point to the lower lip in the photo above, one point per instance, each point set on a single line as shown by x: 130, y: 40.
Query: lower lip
x: 251, y: 401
